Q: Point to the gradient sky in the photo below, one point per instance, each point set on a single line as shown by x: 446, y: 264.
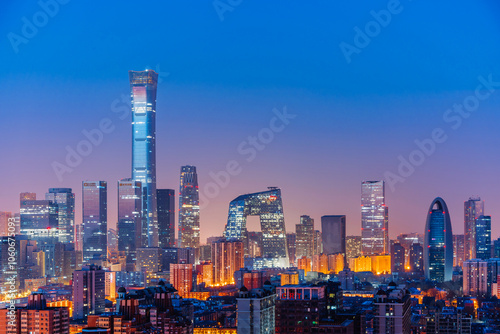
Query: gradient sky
x: 221, y: 80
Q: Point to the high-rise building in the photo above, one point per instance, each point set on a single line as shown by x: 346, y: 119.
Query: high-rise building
x: 256, y: 310
x: 89, y: 291
x: 353, y: 246
x: 458, y: 249
x: 392, y: 311
x: 65, y: 200
x: 27, y: 196
x: 397, y: 258
x: 269, y: 207
x: 181, y: 277
x: 318, y: 244
x: 39, y: 221
x: 473, y: 208
x: 333, y: 234
x: 304, y: 242
x: 143, y: 86
x: 438, y: 242
x: 416, y: 262
x: 95, y: 220
x: 291, y: 241
x: 36, y: 317
x: 483, y: 237
x: 496, y: 248
x: 189, y: 208
x: 5, y: 218
x: 166, y: 217
x: 227, y: 257
x: 131, y: 232
x: 475, y: 278
x: 374, y: 219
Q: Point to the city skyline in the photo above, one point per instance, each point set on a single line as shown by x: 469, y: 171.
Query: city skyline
x: 407, y: 106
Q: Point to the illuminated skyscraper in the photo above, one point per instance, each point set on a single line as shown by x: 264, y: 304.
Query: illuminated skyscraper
x: 305, y: 237
x: 458, y: 249
x: 166, y: 217
x: 483, y: 237
x: 269, y: 207
x: 181, y: 277
x: 438, y: 242
x: 131, y: 233
x: 227, y: 257
x: 416, y: 261
x: 397, y: 258
x: 189, y: 208
x: 374, y: 219
x: 39, y: 220
x: 475, y: 278
x: 95, y: 219
x: 473, y: 208
x: 65, y: 200
x: 353, y: 246
x: 333, y: 234
x: 143, y: 93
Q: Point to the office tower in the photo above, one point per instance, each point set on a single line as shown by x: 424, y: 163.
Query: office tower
x: 269, y: 207
x: 496, y: 248
x: 475, y: 278
x: 333, y: 234
x: 79, y: 237
x: 483, y: 237
x: 5, y: 218
x: 39, y: 220
x: 397, y: 258
x: 227, y: 257
x: 112, y: 240
x: 65, y: 200
x: 205, y: 253
x: 165, y: 199
x: 416, y: 261
x: 189, y: 208
x: 256, y: 310
x: 149, y: 259
x: 181, y: 277
x: 318, y: 245
x: 95, y: 220
x: 132, y: 234
x: 291, y: 240
x: 353, y: 246
x: 89, y: 291
x: 392, y: 311
x: 438, y: 242
x: 186, y: 255
x: 36, y: 317
x: 473, y: 208
x: 493, y: 275
x: 305, y: 236
x: 143, y: 93
x: 458, y: 249
x: 374, y: 219
x: 27, y: 197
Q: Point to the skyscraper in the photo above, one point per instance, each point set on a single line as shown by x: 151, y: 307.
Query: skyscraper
x: 89, y: 291
x: 353, y: 246
x: 475, y: 278
x: 458, y: 249
x: 143, y: 86
x: 189, y: 208
x: 95, y: 219
x: 304, y: 237
x: 416, y: 257
x: 269, y: 207
x: 483, y: 237
x: 65, y: 200
x: 397, y: 258
x: 438, y: 242
x: 227, y: 257
x: 39, y: 220
x: 166, y: 217
x: 333, y: 234
x: 131, y: 232
x: 473, y: 208
x: 374, y: 219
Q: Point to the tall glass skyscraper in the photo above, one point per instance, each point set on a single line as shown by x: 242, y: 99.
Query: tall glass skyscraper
x: 39, y: 220
x: 166, y: 217
x: 374, y: 219
x: 189, y: 208
x: 438, y: 243
x: 143, y: 86
x: 131, y: 234
x: 333, y: 234
x: 65, y: 200
x: 473, y: 208
x: 304, y: 240
x: 269, y: 207
x: 483, y: 237
x: 95, y: 219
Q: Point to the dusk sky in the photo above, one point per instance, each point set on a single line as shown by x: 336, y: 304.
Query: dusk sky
x: 221, y: 79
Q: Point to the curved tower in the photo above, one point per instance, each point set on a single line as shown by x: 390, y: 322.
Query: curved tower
x: 269, y: 207
x: 438, y: 242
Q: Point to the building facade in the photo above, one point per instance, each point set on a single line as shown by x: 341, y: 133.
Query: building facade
x: 473, y: 208
x: 166, y: 217
x: 189, y: 208
x: 374, y: 219
x: 95, y: 220
x: 131, y: 231
x: 333, y: 230
x: 65, y: 200
x: 89, y: 291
